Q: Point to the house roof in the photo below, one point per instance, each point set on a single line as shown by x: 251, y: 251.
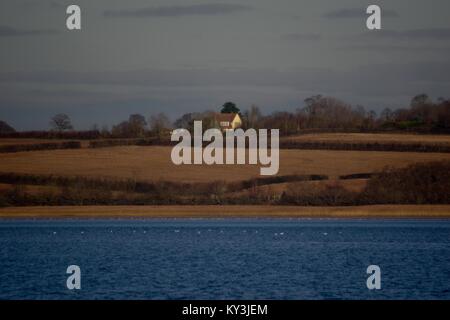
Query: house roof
x: 225, y: 117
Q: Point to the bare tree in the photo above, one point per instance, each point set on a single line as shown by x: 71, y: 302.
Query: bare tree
x: 137, y: 123
x: 61, y: 122
x: 185, y: 121
x: 386, y: 114
x: 104, y: 132
x: 420, y: 100
x: 158, y: 124
x: 254, y: 117
x: 121, y: 130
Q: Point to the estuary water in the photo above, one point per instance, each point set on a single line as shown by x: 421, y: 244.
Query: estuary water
x: 225, y: 258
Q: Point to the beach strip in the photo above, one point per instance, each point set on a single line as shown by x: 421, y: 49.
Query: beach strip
x: 219, y: 211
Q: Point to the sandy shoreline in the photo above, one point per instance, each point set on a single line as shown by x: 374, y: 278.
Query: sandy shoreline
x: 379, y: 211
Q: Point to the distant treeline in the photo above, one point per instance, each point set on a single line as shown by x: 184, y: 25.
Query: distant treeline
x: 423, y: 115
x: 328, y: 114
x: 40, y: 146
x: 53, y: 134
x: 284, y: 144
x: 153, y: 141
x: 317, y: 114
x: 364, y: 146
x: 424, y: 183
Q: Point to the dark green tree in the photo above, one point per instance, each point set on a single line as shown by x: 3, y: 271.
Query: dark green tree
x: 229, y: 107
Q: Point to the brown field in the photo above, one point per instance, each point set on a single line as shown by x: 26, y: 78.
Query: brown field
x: 372, y: 138
x: 29, y: 189
x: 352, y: 185
x: 154, y: 163
x: 400, y: 211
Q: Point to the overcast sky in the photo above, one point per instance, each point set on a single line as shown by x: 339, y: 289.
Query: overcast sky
x: 140, y: 56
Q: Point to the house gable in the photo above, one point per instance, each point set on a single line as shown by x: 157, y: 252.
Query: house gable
x: 228, y: 121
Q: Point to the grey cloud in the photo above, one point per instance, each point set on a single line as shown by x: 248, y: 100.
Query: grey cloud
x: 416, y: 41
x: 172, y: 77
x: 302, y: 36
x: 357, y: 13
x: 6, y: 31
x: 42, y: 4
x: 418, y: 49
x: 178, y: 11
x: 415, y: 34
x: 385, y: 78
x: 58, y: 5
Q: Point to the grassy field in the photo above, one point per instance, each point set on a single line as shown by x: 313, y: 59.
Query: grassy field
x: 372, y: 138
x: 399, y: 211
x: 154, y: 163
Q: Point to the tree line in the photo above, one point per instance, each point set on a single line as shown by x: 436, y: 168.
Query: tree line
x: 318, y: 112
x: 328, y: 113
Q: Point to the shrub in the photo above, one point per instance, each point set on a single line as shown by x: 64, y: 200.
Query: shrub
x: 128, y: 142
x: 40, y: 146
x: 422, y: 183
x: 330, y: 195
x: 364, y: 146
x: 69, y: 135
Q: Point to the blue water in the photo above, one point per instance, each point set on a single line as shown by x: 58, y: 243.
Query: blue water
x: 225, y: 259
